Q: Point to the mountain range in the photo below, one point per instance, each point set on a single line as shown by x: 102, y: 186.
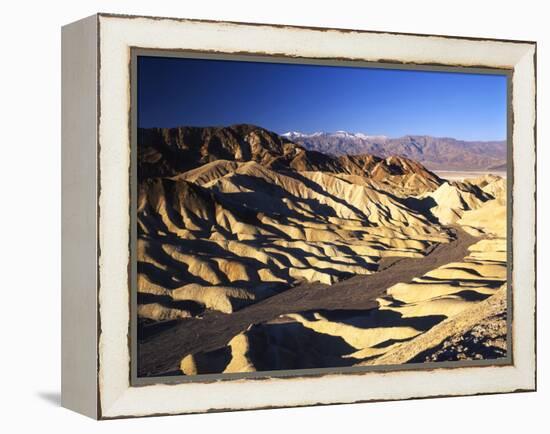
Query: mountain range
x: 166, y: 152
x: 435, y: 153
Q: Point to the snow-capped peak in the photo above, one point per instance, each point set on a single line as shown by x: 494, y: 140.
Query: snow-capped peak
x: 339, y: 133
x: 294, y: 134
x: 362, y: 136
x: 342, y: 133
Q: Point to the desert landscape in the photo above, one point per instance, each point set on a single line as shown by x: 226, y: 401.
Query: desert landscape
x: 259, y: 252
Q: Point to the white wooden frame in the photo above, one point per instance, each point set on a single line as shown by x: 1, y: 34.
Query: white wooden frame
x: 96, y: 161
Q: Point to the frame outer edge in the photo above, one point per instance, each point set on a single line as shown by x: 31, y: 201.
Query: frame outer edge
x: 79, y: 217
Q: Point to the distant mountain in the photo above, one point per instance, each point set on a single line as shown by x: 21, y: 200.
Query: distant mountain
x: 436, y: 153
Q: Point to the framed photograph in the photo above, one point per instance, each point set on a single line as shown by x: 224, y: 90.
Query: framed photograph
x: 261, y: 216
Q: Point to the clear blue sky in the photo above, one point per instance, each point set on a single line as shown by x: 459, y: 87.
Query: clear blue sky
x: 287, y: 97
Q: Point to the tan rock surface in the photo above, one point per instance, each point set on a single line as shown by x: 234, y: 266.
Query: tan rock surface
x: 230, y: 220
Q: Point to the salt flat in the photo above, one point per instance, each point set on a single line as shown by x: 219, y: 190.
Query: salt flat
x: 454, y: 175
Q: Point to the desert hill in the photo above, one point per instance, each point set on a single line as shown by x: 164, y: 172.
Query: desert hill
x: 169, y: 151
x: 261, y: 229
x: 261, y: 254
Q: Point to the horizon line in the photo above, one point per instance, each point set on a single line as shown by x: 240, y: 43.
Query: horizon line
x: 328, y: 132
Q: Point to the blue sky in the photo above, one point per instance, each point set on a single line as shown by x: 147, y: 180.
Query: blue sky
x: 307, y: 98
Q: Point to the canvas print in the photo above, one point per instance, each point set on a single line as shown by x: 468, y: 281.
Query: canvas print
x: 297, y: 217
